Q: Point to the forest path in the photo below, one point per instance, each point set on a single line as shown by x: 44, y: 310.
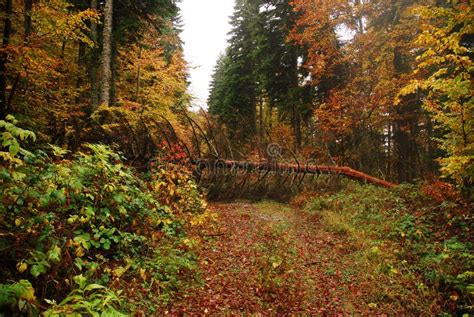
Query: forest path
x: 272, y: 259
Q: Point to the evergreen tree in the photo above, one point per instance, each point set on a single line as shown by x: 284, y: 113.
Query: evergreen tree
x: 280, y: 67
x: 234, y: 92
x: 260, y: 69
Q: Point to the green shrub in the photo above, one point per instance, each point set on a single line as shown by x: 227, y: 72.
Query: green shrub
x: 17, y: 297
x: 82, y: 226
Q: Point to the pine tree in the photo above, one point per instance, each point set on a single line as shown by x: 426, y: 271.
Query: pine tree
x: 280, y: 70
x: 236, y: 104
x: 260, y: 70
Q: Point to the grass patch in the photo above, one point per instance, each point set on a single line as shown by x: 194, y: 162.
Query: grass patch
x: 412, y: 251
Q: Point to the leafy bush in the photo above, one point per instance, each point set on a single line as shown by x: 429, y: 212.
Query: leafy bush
x: 18, y: 297
x: 88, y: 225
x: 418, y: 248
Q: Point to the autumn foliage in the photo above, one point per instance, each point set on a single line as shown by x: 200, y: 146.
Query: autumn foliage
x: 105, y: 166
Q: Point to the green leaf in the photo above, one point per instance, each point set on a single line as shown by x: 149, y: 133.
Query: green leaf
x: 80, y: 280
x: 78, y: 263
x: 58, y: 151
x: 470, y: 289
x: 54, y: 255
x: 91, y: 287
x: 37, y: 269
x: 84, y: 240
x: 14, y: 148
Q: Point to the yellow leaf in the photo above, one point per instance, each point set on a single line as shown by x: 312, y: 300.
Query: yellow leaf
x: 375, y: 250
x: 80, y: 252
x: 21, y: 267
x: 28, y: 294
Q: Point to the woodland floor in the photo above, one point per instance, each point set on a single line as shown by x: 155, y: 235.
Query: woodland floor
x: 271, y: 259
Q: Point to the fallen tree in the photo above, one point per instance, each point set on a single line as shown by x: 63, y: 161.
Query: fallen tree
x: 290, y: 169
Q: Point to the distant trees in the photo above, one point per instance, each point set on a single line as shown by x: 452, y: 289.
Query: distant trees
x: 259, y: 74
x: 234, y: 92
x: 327, y: 74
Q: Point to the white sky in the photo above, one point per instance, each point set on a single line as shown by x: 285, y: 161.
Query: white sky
x: 205, y: 28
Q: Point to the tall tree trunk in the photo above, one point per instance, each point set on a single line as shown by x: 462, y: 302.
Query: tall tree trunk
x: 27, y: 23
x: 401, y: 134
x: 81, y: 64
x: 359, y: 17
x: 7, y: 30
x: 389, y: 158
x: 270, y: 117
x: 261, y: 119
x: 401, y: 139
x: 27, y: 26
x: 137, y: 84
x: 431, y: 146
x: 113, y: 79
x: 94, y: 65
x: 297, y: 128
x: 106, y: 57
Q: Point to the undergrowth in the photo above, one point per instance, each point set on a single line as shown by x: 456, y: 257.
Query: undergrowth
x: 88, y: 235
x: 413, y: 244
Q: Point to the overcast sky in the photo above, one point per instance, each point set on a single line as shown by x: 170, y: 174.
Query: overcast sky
x: 206, y: 24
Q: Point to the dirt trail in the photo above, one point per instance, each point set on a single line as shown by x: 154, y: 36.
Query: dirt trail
x: 271, y: 259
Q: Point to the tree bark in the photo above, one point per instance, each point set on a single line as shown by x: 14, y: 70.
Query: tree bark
x: 113, y: 78
x: 401, y: 135
x: 106, y: 57
x: 27, y: 23
x: 138, y: 78
x: 297, y: 128
x: 7, y: 30
x: 27, y: 26
x: 260, y: 105
x: 94, y: 66
x: 81, y: 64
x: 293, y: 168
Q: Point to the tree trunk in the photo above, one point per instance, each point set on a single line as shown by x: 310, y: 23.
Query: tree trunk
x: 7, y: 30
x: 389, y: 158
x: 27, y: 23
x: 261, y: 119
x: 137, y: 84
x: 107, y: 54
x: 113, y: 78
x: 360, y: 20
x: 80, y: 63
x: 401, y: 135
x: 297, y: 127
x: 401, y: 140
x: 291, y: 169
x: 94, y: 66
x: 431, y: 146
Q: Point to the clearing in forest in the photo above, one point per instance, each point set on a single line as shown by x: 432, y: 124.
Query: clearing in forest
x: 271, y: 258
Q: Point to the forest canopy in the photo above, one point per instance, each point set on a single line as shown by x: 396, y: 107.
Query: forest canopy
x: 381, y: 86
